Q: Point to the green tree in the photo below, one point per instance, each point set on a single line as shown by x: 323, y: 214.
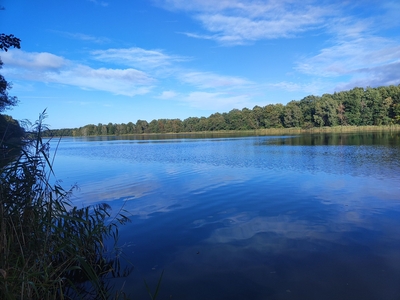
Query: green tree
x: 380, y: 107
x: 249, y: 119
x: 169, y: 126
x: 110, y: 129
x: 341, y: 114
x: 161, y: 125
x: 9, y: 40
x: 121, y: 129
x: 98, y: 129
x: 216, y: 122
x: 176, y: 125
x: 153, y: 126
x: 131, y: 128
x: 353, y: 106
x: 325, y: 113
x: 258, y: 116
x: 234, y: 119
x: 103, y: 130
x: 5, y: 99
x: 372, y: 106
x: 11, y: 133
x: 368, y: 101
x: 202, y: 125
x: 293, y: 116
x: 6, y: 42
x: 142, y: 126
x: 396, y: 113
x: 307, y: 105
x: 11, y: 141
x: 190, y: 124
x: 273, y: 115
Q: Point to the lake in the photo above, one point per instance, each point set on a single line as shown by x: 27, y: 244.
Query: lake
x: 249, y: 217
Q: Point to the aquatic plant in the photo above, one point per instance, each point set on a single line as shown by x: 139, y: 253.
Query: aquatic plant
x: 50, y: 249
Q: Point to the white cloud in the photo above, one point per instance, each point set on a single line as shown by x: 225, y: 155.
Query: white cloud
x: 348, y: 56
x: 239, y: 29
x: 136, y: 57
x: 33, y: 60
x: 315, y: 88
x: 360, y: 51
x: 208, y: 80
x: 251, y: 8
x: 240, y: 21
x: 168, y: 95
x: 50, y: 68
x: 288, y: 86
x: 82, y: 37
x: 128, y: 82
x: 199, y: 36
x: 216, y: 101
x: 388, y: 74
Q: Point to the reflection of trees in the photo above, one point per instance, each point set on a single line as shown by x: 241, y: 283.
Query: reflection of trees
x: 351, y: 139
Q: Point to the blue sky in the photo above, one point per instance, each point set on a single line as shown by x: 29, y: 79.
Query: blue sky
x: 101, y: 61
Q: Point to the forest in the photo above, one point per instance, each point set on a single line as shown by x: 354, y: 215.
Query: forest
x: 356, y: 107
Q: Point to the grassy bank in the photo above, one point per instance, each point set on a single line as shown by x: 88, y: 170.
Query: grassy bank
x: 334, y: 129
x: 277, y: 131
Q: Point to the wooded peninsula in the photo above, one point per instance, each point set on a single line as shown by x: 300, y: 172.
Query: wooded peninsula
x: 356, y: 107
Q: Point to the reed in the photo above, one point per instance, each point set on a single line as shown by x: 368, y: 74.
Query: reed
x: 50, y: 249
x: 328, y: 129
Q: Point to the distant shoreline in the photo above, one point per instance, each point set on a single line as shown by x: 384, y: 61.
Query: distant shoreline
x: 266, y: 131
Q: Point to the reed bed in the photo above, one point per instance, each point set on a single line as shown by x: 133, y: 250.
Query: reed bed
x: 328, y: 129
x: 50, y: 249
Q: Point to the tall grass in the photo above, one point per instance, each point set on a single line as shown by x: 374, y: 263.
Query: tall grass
x: 328, y: 129
x: 50, y: 249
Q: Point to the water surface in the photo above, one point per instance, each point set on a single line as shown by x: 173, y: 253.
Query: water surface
x: 263, y: 217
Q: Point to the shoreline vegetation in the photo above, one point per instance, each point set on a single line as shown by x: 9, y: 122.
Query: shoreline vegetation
x: 286, y: 131
x: 256, y: 132
x: 356, y: 109
x: 275, y: 131
x: 49, y: 248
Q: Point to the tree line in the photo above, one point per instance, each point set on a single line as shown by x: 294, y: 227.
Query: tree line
x: 356, y: 107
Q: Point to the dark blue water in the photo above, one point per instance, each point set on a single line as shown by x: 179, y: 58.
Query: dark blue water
x: 266, y: 217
